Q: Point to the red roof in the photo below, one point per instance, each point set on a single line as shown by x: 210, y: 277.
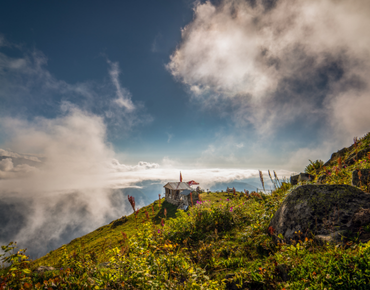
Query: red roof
x: 192, y: 182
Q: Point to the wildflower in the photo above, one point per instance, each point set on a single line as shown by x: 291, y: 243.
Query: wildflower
x: 271, y: 230
x: 159, y: 231
x: 124, y: 235
x: 231, y: 209
x: 147, y: 215
x: 131, y: 199
x: 227, y: 199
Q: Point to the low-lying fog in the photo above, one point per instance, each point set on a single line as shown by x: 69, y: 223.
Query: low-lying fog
x: 69, y: 182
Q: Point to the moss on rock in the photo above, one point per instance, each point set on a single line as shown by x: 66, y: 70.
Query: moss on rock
x: 319, y: 210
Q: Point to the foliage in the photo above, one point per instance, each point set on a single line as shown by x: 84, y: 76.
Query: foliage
x: 314, y: 166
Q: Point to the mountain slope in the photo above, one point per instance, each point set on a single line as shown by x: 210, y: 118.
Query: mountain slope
x: 220, y: 243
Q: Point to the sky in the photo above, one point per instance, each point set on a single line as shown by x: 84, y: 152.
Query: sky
x: 100, y: 99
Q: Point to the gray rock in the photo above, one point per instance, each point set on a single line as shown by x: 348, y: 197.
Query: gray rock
x: 42, y: 269
x: 321, y: 179
x: 118, y: 222
x: 321, y: 210
x: 294, y: 179
x: 354, y: 157
x: 364, y: 180
x: 283, y: 272
x: 305, y: 177
x: 330, y: 238
x: 301, y: 177
x: 336, y: 155
x: 361, y: 218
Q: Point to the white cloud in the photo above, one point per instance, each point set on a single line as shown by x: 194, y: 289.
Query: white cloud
x: 6, y: 164
x: 286, y: 63
x: 155, y: 43
x: 123, y: 96
x: 169, y: 137
x: 6, y: 153
x: 75, y: 184
x: 69, y: 188
x: 26, y: 79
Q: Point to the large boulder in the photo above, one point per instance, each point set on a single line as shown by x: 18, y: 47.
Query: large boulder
x: 327, y: 211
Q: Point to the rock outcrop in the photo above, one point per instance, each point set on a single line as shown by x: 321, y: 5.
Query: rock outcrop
x: 361, y: 178
x: 301, y: 177
x: 334, y: 157
x: 354, y: 157
x: 327, y: 211
x: 118, y: 222
x: 322, y: 179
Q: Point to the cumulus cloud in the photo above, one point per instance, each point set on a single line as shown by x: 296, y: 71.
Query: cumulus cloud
x: 5, y: 153
x: 6, y: 164
x: 64, y: 186
x: 280, y: 62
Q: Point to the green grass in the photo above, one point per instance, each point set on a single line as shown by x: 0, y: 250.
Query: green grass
x: 108, y: 236
x: 223, y: 236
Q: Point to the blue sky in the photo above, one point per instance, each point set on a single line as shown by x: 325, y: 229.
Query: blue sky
x: 78, y: 39
x: 100, y: 99
x: 243, y: 114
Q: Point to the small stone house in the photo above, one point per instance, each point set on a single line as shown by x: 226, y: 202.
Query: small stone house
x: 178, y: 193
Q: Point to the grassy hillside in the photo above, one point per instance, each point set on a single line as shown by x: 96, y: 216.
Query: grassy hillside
x: 221, y: 243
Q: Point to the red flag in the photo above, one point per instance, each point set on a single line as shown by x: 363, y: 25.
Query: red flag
x: 180, y: 177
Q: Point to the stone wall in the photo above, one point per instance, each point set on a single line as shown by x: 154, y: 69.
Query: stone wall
x: 172, y: 201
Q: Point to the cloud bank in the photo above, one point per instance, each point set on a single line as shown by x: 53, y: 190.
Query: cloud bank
x: 60, y: 179
x: 280, y: 63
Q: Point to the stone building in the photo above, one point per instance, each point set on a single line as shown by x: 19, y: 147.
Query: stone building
x: 178, y: 193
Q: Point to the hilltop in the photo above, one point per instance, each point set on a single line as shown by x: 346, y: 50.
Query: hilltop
x: 223, y: 242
